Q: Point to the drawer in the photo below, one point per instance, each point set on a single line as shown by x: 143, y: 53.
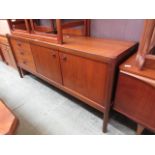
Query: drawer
x: 22, y: 50
x: 25, y: 59
x: 20, y: 45
x: 23, y: 54
x: 20, y: 53
x: 26, y: 63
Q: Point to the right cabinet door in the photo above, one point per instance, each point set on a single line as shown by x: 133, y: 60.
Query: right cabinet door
x: 84, y: 76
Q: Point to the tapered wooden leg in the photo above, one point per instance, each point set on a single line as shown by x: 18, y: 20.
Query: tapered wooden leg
x: 23, y: 72
x: 105, y: 124
x: 106, y: 120
x: 20, y: 72
x: 140, y: 129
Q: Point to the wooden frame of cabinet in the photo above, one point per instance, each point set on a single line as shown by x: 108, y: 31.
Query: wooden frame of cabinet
x: 31, y: 30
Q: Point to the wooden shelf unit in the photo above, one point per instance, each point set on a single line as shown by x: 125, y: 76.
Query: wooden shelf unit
x: 52, y: 30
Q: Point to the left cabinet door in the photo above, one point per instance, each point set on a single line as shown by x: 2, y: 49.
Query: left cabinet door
x: 47, y: 62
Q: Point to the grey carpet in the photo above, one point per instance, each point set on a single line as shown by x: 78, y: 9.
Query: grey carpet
x: 43, y: 109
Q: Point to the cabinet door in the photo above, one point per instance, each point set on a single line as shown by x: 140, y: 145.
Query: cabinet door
x: 47, y: 62
x: 84, y: 76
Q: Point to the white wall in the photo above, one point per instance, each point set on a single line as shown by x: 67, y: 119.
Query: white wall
x: 124, y: 29
x: 4, y: 27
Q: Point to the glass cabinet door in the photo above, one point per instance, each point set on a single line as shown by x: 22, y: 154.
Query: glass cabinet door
x: 18, y: 24
x: 46, y: 26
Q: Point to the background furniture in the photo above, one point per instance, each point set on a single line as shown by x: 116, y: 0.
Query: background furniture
x: 146, y: 53
x: 135, y: 94
x: 8, y: 122
x: 49, y: 29
x: 5, y: 52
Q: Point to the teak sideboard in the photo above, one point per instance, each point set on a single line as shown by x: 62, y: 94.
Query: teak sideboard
x: 83, y: 67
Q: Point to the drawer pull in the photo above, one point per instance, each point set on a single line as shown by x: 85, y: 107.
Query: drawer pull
x: 19, y: 44
x: 24, y: 62
x: 64, y: 58
x: 22, y: 53
x: 54, y: 55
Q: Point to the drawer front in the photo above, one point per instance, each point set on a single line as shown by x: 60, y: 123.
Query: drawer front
x: 20, y: 45
x: 23, y: 54
x: 26, y: 63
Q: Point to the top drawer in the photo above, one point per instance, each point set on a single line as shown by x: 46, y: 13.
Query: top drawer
x: 20, y: 45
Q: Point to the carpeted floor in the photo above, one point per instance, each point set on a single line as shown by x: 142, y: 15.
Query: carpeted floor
x: 43, y: 109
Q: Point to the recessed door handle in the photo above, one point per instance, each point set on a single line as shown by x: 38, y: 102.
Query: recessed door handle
x: 19, y: 44
x: 24, y: 62
x: 54, y: 55
x: 22, y: 53
x: 64, y: 58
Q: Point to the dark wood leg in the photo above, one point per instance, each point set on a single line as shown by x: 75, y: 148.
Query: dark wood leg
x: 106, y: 120
x: 23, y: 72
x: 3, y: 59
x: 20, y: 72
x: 108, y: 97
x: 140, y: 129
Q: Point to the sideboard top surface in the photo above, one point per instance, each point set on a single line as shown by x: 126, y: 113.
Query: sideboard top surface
x: 106, y: 49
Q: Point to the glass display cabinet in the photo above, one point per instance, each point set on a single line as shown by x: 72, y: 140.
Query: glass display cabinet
x: 19, y: 25
x: 50, y: 29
